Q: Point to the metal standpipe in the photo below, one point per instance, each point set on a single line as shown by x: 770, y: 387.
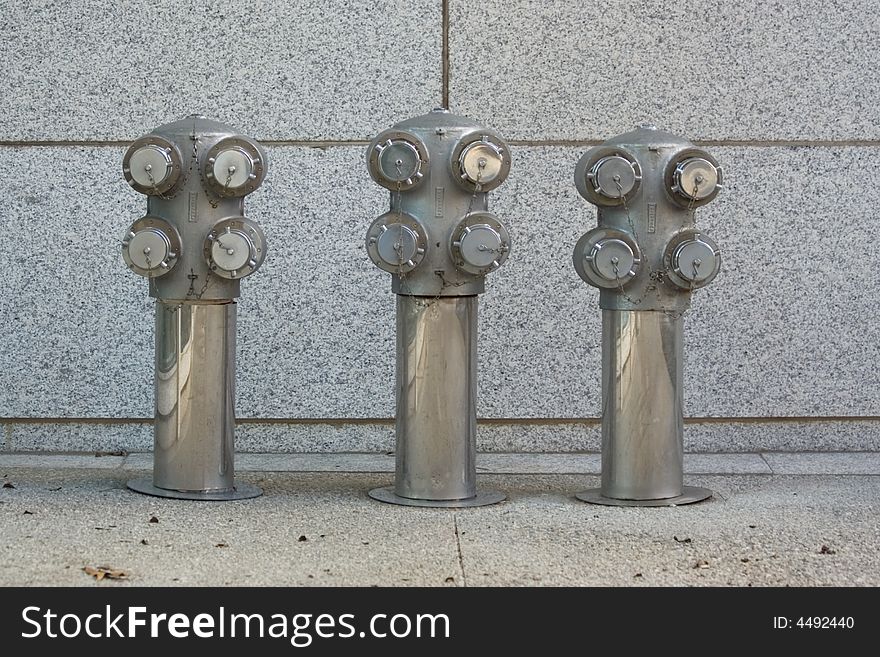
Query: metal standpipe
x: 646, y: 256
x: 439, y: 241
x: 194, y: 245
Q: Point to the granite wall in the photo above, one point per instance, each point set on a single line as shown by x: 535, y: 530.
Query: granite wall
x: 781, y: 349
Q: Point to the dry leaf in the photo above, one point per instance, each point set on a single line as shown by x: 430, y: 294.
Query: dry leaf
x: 826, y: 550
x: 702, y: 563
x: 102, y: 572
x: 222, y: 545
x: 681, y: 540
x: 302, y: 539
x: 153, y: 519
x: 8, y: 485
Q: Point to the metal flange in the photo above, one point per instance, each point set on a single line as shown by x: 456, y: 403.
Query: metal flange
x: 608, y: 175
x: 607, y: 258
x: 239, y: 492
x: 235, y: 248
x: 151, y: 247
x: 396, y: 242
x: 481, y: 161
x: 234, y: 166
x: 693, y: 178
x: 479, y: 243
x: 689, y: 495
x: 397, y: 160
x: 482, y: 498
x: 692, y: 259
x: 152, y: 165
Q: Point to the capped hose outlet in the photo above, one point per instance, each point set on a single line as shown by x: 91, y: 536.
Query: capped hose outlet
x: 398, y: 160
x: 397, y: 242
x: 692, y: 259
x: 152, y: 165
x: 607, y: 258
x: 151, y: 247
x: 234, y: 166
x: 481, y: 162
x: 235, y: 248
x: 479, y: 244
x: 694, y: 178
x: 608, y: 176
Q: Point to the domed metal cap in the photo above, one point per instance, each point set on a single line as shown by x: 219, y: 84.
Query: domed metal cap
x: 480, y: 244
x: 397, y: 160
x: 396, y: 242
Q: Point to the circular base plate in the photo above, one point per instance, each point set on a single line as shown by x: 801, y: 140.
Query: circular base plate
x: 689, y: 495
x: 241, y: 492
x: 482, y: 498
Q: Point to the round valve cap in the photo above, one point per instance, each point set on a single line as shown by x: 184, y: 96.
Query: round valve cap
x: 480, y: 243
x: 234, y: 166
x: 152, y: 165
x: 231, y: 250
x: 151, y: 247
x: 481, y: 162
x: 148, y: 249
x: 693, y: 259
x: 398, y: 244
x: 613, y: 259
x: 614, y: 177
x: 397, y: 160
x: 695, y: 178
x: 234, y: 248
x: 607, y: 258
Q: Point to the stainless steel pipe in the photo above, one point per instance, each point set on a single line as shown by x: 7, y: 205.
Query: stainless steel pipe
x: 194, y: 396
x: 436, y: 397
x: 641, y: 405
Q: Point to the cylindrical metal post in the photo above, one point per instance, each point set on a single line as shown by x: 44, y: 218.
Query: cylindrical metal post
x: 436, y: 405
x: 641, y: 405
x: 436, y: 397
x: 194, y: 403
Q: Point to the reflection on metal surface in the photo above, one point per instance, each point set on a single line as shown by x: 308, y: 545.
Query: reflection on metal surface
x: 195, y: 393
x: 436, y: 397
x: 641, y: 405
